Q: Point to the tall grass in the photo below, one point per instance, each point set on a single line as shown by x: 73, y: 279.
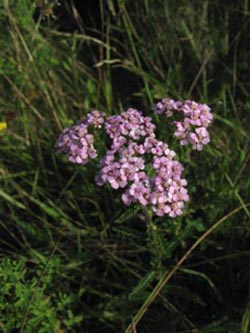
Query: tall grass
x: 117, y: 273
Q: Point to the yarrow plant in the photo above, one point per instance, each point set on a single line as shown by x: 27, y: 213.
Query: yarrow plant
x: 192, y: 129
x: 136, y: 162
x: 77, y: 143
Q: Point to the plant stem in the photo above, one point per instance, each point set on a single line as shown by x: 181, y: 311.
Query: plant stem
x: 168, y: 275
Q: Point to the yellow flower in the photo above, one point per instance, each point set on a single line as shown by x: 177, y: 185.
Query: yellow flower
x: 3, y: 125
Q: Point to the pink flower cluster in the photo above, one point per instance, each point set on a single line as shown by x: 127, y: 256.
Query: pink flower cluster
x: 131, y: 124
x: 134, y: 154
x: 164, y: 191
x: 193, y: 128
x: 77, y: 143
x: 95, y: 118
x: 139, y: 164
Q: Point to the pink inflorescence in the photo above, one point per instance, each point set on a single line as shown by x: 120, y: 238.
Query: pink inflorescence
x: 143, y: 167
x: 134, y: 153
x: 131, y: 124
x: 95, y: 118
x: 196, y: 118
x: 77, y: 143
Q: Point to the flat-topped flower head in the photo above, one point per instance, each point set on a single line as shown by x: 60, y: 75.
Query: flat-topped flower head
x: 77, y: 144
x: 196, y: 118
x: 131, y: 124
x: 167, y: 106
x: 198, y: 114
x: 138, y: 164
x: 127, y: 167
x: 118, y: 168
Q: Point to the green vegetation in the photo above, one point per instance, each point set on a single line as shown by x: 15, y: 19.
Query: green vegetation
x: 73, y: 258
